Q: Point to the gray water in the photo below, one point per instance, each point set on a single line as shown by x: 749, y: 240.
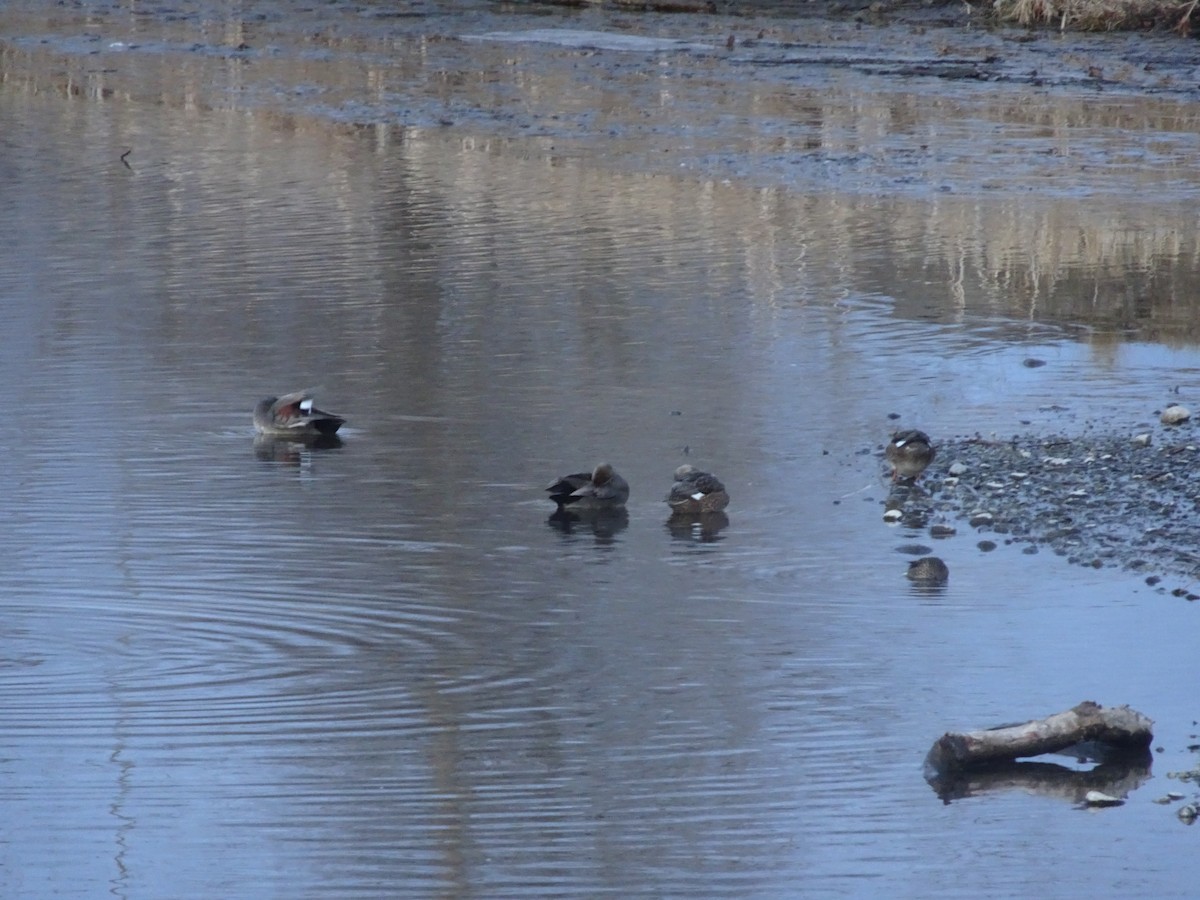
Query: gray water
x: 236, y: 669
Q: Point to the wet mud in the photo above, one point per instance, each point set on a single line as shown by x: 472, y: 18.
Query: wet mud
x: 722, y: 91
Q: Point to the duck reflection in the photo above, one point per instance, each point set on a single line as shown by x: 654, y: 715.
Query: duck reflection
x: 604, y: 524
x: 292, y: 452
x: 703, y: 528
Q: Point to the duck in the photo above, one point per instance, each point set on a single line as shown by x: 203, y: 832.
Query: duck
x: 598, y: 490
x: 928, y: 570
x: 294, y: 416
x: 910, y: 452
x: 696, y: 492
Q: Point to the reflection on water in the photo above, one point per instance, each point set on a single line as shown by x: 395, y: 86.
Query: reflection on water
x: 229, y: 662
x: 603, y: 524
x: 699, y: 527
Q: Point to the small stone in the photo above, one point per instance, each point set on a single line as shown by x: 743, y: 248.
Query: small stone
x: 942, y: 531
x: 1032, y: 362
x: 986, y: 546
x: 980, y: 519
x: 1142, y: 440
x: 1187, y: 814
x: 1173, y: 415
x: 1057, y: 461
x: 1099, y: 798
x: 893, y: 515
x: 1019, y: 476
x: 1174, y: 795
x: 957, y: 468
x: 994, y: 485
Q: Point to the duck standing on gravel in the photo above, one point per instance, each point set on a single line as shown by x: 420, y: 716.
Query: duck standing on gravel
x: 294, y: 416
x: 695, y: 492
x: 601, y: 489
x: 910, y: 453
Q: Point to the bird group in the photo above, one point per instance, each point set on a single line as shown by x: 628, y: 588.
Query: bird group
x: 294, y: 417
x: 693, y: 493
x: 910, y: 452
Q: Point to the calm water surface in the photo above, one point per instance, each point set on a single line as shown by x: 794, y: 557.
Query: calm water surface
x: 230, y: 669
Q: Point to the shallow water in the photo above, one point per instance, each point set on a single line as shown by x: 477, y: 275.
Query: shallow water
x: 237, y: 669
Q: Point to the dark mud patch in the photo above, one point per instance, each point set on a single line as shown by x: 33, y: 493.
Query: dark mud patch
x: 1105, y: 500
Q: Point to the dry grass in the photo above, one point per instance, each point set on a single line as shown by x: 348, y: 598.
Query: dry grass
x: 1100, y: 15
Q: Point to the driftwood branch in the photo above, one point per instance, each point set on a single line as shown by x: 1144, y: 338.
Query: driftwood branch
x: 1119, y: 728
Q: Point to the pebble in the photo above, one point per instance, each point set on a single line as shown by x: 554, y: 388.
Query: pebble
x: 1187, y: 813
x: 1099, y: 798
x: 957, y: 469
x: 893, y: 515
x: 1142, y: 440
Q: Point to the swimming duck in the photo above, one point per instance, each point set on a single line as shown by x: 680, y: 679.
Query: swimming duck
x: 294, y: 416
x: 696, y: 492
x: 601, y: 489
x: 928, y: 570
x: 910, y: 453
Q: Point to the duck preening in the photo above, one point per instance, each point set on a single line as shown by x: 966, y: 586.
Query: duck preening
x: 294, y: 416
x: 600, y: 489
x: 696, y: 492
x: 910, y: 453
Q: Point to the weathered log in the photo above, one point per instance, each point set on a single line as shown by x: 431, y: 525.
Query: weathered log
x: 1120, y: 728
